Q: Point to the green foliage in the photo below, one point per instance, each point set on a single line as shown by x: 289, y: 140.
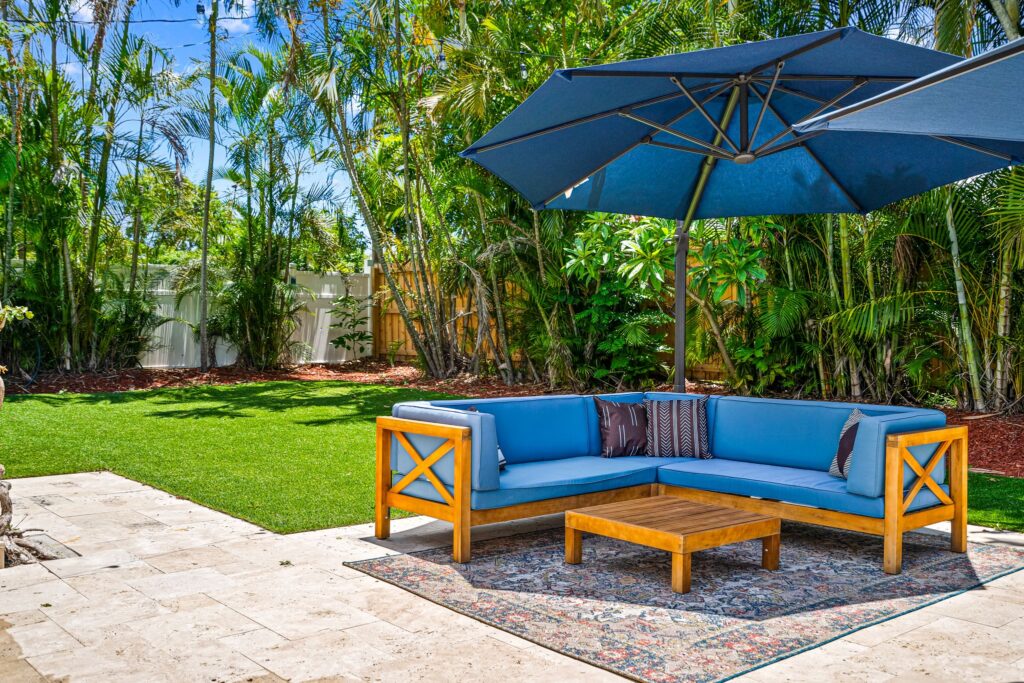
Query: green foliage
x: 349, y: 312
x: 728, y: 269
x: 622, y: 265
x: 11, y: 313
x: 847, y: 306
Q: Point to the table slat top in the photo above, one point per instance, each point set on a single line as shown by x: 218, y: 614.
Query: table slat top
x: 668, y: 514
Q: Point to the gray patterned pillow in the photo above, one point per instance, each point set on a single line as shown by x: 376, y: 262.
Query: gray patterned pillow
x: 847, y: 437
x: 623, y: 428
x: 678, y: 428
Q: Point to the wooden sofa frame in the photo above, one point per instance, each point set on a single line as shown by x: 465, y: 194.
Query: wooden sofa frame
x: 457, y: 510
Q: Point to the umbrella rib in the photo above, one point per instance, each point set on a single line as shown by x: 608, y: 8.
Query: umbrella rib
x: 704, y: 112
x: 585, y: 119
x: 790, y: 91
x: 645, y: 139
x: 684, y: 148
x: 676, y: 133
x: 788, y: 144
x: 835, y: 181
x: 814, y: 157
x: 859, y: 83
x: 764, y: 107
x: 813, y: 45
x: 692, y: 74
x: 600, y: 168
x: 973, y: 147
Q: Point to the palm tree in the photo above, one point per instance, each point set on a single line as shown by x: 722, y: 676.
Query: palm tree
x: 204, y: 341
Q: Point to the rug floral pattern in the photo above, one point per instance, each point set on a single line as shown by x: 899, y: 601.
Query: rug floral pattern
x: 617, y: 610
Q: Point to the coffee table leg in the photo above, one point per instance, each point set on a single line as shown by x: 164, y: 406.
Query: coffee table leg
x: 681, y: 572
x: 573, y: 546
x: 770, y: 552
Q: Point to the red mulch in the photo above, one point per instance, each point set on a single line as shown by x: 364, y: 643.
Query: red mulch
x: 364, y: 371
x: 996, y: 441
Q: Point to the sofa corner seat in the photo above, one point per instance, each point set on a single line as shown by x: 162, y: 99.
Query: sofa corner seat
x: 440, y: 458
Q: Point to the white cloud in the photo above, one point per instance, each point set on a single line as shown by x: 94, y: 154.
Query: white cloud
x: 82, y: 11
x: 235, y: 20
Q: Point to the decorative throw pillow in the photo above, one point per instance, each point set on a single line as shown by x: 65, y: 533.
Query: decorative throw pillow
x: 847, y: 436
x: 623, y: 428
x: 501, y: 456
x: 678, y: 428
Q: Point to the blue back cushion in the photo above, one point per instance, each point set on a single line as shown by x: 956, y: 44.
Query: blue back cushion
x: 790, y: 433
x: 783, y: 432
x: 534, y: 428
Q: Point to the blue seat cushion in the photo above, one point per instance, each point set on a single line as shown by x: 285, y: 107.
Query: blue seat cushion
x: 545, y: 479
x: 774, y: 482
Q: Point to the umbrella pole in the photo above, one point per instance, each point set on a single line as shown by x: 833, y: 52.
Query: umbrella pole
x: 682, y: 252
x: 683, y: 247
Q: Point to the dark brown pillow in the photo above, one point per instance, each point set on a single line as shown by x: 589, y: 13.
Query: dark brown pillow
x: 623, y: 428
x: 678, y: 428
x: 847, y: 437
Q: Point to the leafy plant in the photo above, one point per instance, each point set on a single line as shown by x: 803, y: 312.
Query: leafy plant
x: 350, y: 314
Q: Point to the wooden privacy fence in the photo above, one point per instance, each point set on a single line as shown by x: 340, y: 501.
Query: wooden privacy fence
x: 391, y: 339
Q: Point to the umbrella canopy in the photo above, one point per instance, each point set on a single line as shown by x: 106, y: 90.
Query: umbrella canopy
x: 632, y: 137
x: 712, y: 133
x: 978, y: 100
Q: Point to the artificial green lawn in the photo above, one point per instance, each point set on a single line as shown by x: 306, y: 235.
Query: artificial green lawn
x: 996, y: 502
x: 289, y: 456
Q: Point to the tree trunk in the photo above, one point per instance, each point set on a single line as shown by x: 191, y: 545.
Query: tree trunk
x: 716, y: 332
x: 970, y: 359
x: 204, y: 341
x: 136, y: 210
x: 1008, y: 14
x: 339, y: 129
x: 1000, y: 382
x: 291, y: 226
x: 102, y: 11
x: 847, y: 270
x: 71, y: 308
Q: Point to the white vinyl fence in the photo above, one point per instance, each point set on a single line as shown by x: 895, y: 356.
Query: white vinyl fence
x: 175, y: 344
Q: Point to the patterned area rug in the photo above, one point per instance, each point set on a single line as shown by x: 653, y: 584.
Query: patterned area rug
x: 617, y: 610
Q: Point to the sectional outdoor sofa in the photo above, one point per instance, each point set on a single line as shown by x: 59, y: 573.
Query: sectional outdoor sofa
x: 440, y: 458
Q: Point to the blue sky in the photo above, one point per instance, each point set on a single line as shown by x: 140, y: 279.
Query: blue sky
x: 186, y: 41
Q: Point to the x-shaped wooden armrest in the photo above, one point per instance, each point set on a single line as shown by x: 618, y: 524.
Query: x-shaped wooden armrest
x: 924, y: 475
x: 423, y: 466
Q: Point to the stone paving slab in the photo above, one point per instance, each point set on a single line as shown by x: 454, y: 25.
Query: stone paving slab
x: 167, y: 590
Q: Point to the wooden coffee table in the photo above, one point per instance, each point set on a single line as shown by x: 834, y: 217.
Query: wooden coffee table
x: 679, y: 526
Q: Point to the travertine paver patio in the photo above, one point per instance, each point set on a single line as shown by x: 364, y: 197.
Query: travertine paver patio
x: 168, y: 590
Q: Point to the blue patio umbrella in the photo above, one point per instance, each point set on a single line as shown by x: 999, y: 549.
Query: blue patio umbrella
x: 711, y: 133
x: 979, y: 99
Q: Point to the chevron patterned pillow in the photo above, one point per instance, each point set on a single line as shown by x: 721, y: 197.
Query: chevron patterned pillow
x: 678, y: 428
x: 623, y: 428
x: 847, y: 437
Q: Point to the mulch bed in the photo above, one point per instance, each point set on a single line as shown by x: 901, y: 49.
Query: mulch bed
x: 996, y: 441
x: 363, y: 371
